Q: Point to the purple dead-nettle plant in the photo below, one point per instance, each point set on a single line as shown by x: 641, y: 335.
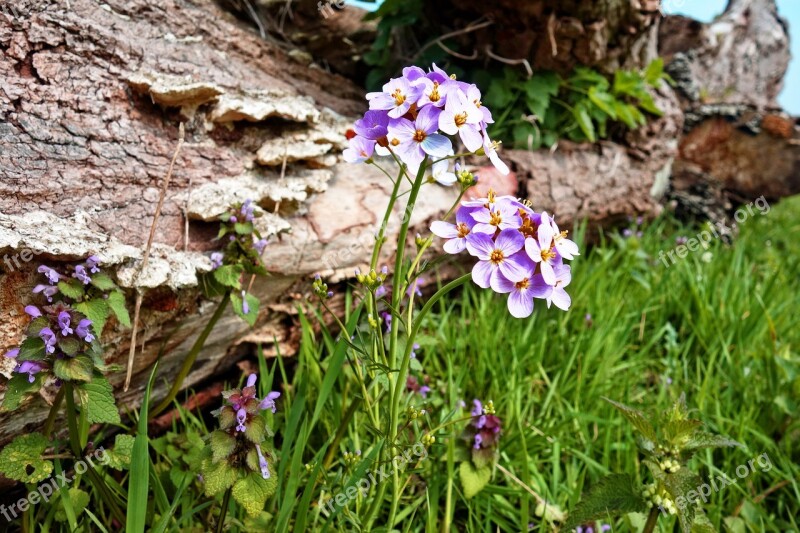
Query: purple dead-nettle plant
x: 424, y: 122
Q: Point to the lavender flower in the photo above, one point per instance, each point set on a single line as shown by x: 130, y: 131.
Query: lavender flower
x: 64, y: 323
x: 248, y: 210
x: 504, y: 215
x: 260, y: 245
x: 245, y: 305
x: 33, y: 311
x: 541, y: 250
x: 12, y: 354
x: 373, y: 126
x: 92, y: 262
x: 360, y: 149
x: 415, y: 140
x: 497, y: 257
x: 396, y: 98
x: 216, y: 260
x: 83, y: 330
x: 521, y: 293
x: 52, y: 276
x: 49, y: 338
x: 31, y: 368
x: 262, y: 463
x: 440, y: 172
x: 269, y: 402
x: 455, y: 233
x: 80, y: 274
x: 462, y: 117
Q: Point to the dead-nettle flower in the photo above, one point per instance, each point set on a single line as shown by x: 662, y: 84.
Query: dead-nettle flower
x: 484, y: 430
x: 244, y: 242
x: 520, y: 252
x: 418, y: 115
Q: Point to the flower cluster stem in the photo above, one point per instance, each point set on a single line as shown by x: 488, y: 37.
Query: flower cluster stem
x: 652, y: 519
x: 226, y: 501
x: 191, y: 357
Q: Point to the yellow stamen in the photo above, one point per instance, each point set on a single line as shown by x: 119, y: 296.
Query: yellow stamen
x: 495, y: 219
x: 547, y: 255
x: 420, y: 136
x: 461, y: 119
x: 462, y: 229
x: 497, y: 257
x: 522, y: 285
x: 434, y: 96
x: 395, y: 142
x: 399, y: 97
x: 527, y: 228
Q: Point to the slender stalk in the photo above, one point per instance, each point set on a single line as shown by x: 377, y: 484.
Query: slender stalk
x: 74, y: 441
x: 51, y: 417
x: 652, y: 518
x: 226, y: 501
x: 376, y: 250
x: 191, y: 357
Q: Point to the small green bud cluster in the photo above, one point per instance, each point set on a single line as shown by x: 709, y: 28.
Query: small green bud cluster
x: 664, y: 450
x: 655, y: 496
x: 422, y: 242
x: 466, y: 178
x: 488, y: 409
x: 351, y: 458
x: 373, y: 280
x: 321, y: 288
x: 414, y: 413
x: 428, y: 440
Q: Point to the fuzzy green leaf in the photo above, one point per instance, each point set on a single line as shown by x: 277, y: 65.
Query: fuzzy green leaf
x: 103, y: 282
x: 612, y: 495
x: 243, y: 228
x: 17, y: 389
x: 71, y: 289
x: 637, y: 419
x: 218, y: 477
x: 31, y: 349
x: 97, y: 311
x: 21, y: 460
x: 116, y: 301
x: 73, y: 368
x: 229, y: 275
x: 252, y: 311
x: 119, y: 458
x: 678, y: 485
x: 222, y: 444
x: 69, y: 345
x: 252, y: 492
x: 702, y: 439
x: 473, y: 480
x: 97, y: 397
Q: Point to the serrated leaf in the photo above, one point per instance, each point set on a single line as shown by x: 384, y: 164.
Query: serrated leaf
x: 95, y: 310
x: 117, y: 304
x: 637, y: 419
x: 31, y: 349
x: 702, y: 439
x: 543, y: 84
x: 218, y: 477
x: 222, y: 444
x: 69, y: 345
x: 604, y: 101
x: 499, y: 95
x: 243, y: 228
x: 675, y: 431
x: 119, y: 458
x: 17, y: 389
x: 103, y: 282
x: 473, y: 479
x: 21, y: 460
x: 253, y: 491
x: 678, y: 485
x: 654, y: 72
x: 583, y: 119
x: 36, y: 326
x: 79, y: 500
x: 71, y: 289
x: 229, y: 276
x: 702, y: 524
x: 97, y: 397
x: 73, y: 368
x: 612, y: 495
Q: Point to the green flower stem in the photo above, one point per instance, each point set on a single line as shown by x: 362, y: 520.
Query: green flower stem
x: 226, y: 501
x: 74, y: 440
x: 188, y: 362
x: 51, y: 417
x: 652, y: 519
x: 376, y: 250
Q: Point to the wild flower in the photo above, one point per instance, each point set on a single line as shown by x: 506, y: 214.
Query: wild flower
x: 520, y: 252
x: 412, y: 117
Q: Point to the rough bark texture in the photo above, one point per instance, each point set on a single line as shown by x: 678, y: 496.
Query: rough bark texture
x: 89, y: 105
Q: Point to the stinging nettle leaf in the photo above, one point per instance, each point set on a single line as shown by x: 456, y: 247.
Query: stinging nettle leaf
x: 637, y: 419
x: 612, y: 495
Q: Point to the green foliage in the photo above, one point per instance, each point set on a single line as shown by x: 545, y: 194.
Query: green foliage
x: 538, y: 111
x: 96, y: 398
x: 78, y: 502
x: 17, y: 389
x: 119, y: 457
x: 252, y: 492
x: 473, y: 479
x: 614, y: 494
x: 22, y: 459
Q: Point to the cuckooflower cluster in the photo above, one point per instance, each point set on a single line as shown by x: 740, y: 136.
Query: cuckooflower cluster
x: 520, y: 252
x: 419, y: 115
x: 242, y: 427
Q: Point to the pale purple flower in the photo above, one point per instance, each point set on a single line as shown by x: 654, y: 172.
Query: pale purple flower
x: 521, y: 293
x: 440, y: 172
x: 52, y: 276
x: 397, y: 97
x: 47, y: 290
x: 248, y: 210
x: 360, y: 150
x: 462, y: 117
x: 233, y: 219
x: 565, y: 247
x: 31, y: 368
x: 262, y: 463
x: 542, y: 250
x: 433, y: 92
x: 456, y: 234
x: 80, y: 273
x: 216, y: 260
x: 64, y: 323
x: 380, y: 292
x: 251, y: 380
x: 241, y: 417
x: 490, y: 147
x: 416, y: 286
x: 474, y: 97
x: 413, y: 73
x: 503, y: 215
x: 269, y: 401
x: 260, y: 245
x: 92, y: 262
x: 477, y: 413
x: 415, y: 140
x: 12, y: 354
x: 49, y: 338
x: 555, y: 294
x: 83, y: 330
x: 424, y: 390
x: 33, y: 311
x: 497, y: 257
x: 387, y: 318
x: 373, y: 126
x: 245, y: 305
x: 478, y: 441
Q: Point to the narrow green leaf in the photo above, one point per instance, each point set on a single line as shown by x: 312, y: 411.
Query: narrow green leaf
x: 584, y: 121
x: 136, y: 519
